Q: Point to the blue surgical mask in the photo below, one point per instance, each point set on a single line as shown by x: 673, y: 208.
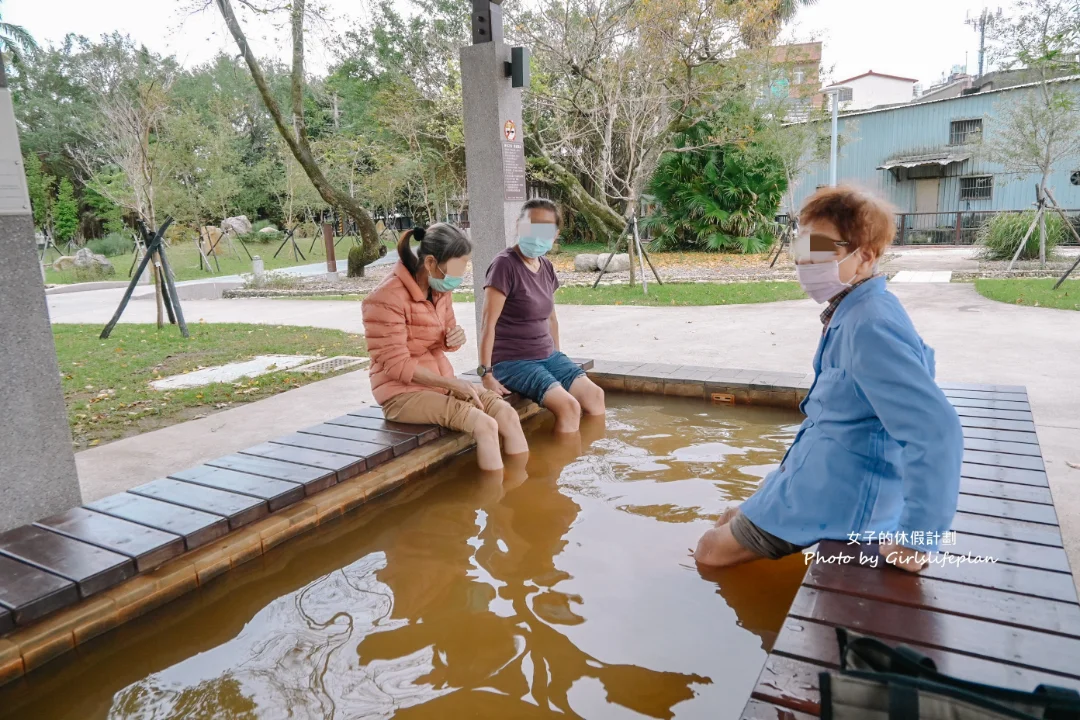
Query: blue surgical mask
x: 537, y: 239
x: 447, y: 283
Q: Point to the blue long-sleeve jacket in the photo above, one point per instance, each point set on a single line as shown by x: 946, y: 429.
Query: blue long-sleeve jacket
x: 881, y: 447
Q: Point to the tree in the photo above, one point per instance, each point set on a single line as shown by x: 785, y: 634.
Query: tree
x: 131, y: 86
x: 16, y: 42
x: 717, y: 197
x: 295, y: 133
x: 616, y: 81
x: 1037, y: 128
x: 40, y: 187
x: 66, y: 212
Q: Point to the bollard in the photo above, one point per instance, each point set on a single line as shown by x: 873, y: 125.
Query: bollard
x: 257, y: 270
x: 331, y: 261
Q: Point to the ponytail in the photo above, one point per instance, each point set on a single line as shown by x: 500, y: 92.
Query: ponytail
x: 442, y: 241
x: 405, y: 251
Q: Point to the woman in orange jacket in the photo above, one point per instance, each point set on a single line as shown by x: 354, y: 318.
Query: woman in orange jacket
x: 410, y: 326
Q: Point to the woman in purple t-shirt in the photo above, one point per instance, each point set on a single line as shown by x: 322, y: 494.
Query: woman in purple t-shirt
x: 519, y: 341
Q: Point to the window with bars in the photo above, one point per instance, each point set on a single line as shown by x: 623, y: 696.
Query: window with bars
x: 976, y: 188
x: 846, y: 94
x: 962, y: 132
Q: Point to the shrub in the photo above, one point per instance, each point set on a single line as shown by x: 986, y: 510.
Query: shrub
x: 1000, y: 237
x: 715, y: 196
x: 261, y: 237
x: 112, y: 244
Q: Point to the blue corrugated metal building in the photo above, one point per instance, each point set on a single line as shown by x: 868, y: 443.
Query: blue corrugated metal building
x: 926, y: 158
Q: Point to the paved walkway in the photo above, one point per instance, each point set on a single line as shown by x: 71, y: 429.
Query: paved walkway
x: 976, y: 340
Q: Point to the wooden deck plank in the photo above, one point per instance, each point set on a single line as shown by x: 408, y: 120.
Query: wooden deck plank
x: 1006, y: 491
x: 983, y: 388
x: 1021, y: 406
x: 886, y: 585
x: 1010, y: 475
x: 1011, y: 552
x: 314, y: 479
x: 373, y: 454
x: 400, y: 443
x: 1015, y: 530
x: 148, y: 547
x: 1035, y: 582
x: 900, y: 623
x: 29, y: 592
x: 423, y: 433
x: 196, y: 527
x: 1008, y: 509
x: 968, y: 421
x: 1028, y: 438
x: 792, y: 682
x: 240, y: 510
x: 1002, y: 460
x: 986, y: 395
x: 999, y: 446
x: 343, y: 466
x: 278, y: 494
x: 992, y: 414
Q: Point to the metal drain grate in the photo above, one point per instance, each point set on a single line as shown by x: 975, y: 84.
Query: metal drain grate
x: 333, y: 364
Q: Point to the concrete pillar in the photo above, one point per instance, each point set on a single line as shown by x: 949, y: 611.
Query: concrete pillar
x: 37, y: 465
x: 494, y: 154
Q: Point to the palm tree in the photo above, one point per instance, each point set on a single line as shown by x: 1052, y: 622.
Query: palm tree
x: 15, y: 41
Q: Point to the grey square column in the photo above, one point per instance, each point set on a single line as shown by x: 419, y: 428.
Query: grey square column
x: 37, y: 465
x: 492, y: 117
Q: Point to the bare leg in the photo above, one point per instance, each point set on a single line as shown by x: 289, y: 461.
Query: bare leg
x: 566, y: 409
x: 486, y: 432
x: 514, y: 442
x: 589, y: 395
x: 719, y: 548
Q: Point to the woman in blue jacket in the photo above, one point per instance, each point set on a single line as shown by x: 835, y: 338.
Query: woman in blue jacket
x: 881, y: 447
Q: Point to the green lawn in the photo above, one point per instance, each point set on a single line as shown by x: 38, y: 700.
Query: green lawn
x: 678, y: 294
x: 681, y: 294
x: 184, y: 259
x: 1034, y: 292
x: 106, y: 382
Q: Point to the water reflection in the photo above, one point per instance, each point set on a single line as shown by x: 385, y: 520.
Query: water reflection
x: 563, y: 587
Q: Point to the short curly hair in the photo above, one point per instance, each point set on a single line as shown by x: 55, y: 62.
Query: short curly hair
x: 864, y: 220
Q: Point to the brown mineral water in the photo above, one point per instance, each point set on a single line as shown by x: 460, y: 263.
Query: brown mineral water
x: 563, y: 589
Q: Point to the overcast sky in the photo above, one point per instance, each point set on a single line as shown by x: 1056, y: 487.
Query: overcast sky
x: 915, y: 38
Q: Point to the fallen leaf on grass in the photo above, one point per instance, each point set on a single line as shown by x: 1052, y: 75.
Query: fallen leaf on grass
x: 95, y: 442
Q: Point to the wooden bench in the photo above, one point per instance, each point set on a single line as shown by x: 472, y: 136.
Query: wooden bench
x: 1014, y: 623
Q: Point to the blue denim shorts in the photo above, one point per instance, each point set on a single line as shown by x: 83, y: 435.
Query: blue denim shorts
x: 533, y: 378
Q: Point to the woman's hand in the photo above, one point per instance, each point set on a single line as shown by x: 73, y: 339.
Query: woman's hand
x: 903, y: 557
x: 494, y: 385
x: 455, y: 337
x: 464, y: 390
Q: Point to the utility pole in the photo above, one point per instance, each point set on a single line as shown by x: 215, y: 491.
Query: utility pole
x: 985, y: 20
x: 834, y: 95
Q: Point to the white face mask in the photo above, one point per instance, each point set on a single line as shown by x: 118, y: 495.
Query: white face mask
x: 821, y: 281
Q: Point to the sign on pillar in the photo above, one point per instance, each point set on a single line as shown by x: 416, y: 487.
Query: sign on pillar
x: 492, y: 76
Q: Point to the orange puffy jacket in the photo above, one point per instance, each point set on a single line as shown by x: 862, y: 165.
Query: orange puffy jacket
x: 404, y: 331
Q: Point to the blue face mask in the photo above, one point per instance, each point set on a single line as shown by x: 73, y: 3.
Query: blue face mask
x: 537, y: 239
x: 448, y: 283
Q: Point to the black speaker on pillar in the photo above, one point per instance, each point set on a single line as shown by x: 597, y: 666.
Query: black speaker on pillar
x: 518, y: 67
x: 487, y: 23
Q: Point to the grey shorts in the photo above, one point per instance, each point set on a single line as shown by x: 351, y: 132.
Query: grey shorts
x: 759, y: 542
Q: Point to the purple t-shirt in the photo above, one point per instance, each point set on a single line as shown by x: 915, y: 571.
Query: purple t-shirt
x: 523, y: 331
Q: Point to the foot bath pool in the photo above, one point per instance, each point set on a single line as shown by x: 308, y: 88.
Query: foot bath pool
x: 563, y: 587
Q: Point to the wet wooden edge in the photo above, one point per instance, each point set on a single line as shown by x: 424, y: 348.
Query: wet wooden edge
x: 65, y: 629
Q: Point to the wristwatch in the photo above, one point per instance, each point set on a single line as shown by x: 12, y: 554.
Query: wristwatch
x: 482, y: 371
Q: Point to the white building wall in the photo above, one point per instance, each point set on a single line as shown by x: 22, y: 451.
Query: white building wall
x: 873, y: 90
